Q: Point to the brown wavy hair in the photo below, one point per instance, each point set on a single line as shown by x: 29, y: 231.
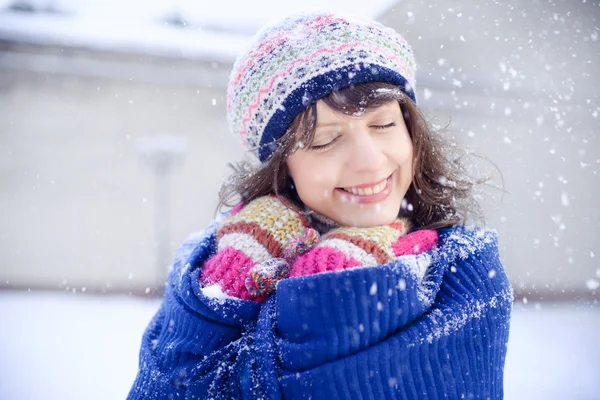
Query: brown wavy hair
x: 441, y: 192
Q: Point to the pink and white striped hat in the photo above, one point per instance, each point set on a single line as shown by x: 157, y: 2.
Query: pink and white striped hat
x: 303, y: 58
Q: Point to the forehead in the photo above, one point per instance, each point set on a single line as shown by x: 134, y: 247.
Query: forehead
x: 326, y: 114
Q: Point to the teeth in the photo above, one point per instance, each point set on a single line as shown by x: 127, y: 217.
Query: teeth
x: 367, y: 191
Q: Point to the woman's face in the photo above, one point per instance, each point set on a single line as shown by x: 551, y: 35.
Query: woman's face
x: 358, y: 168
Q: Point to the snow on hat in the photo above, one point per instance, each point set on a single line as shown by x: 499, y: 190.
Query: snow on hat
x: 303, y: 58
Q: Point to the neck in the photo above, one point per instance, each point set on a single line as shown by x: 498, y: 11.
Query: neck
x: 324, y: 224
x: 320, y: 222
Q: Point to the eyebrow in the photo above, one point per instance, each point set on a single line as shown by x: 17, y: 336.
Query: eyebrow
x: 367, y: 111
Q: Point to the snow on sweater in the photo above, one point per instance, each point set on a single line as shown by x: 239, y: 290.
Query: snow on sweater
x: 433, y: 325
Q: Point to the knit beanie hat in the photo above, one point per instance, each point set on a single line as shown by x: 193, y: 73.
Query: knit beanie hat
x: 303, y: 58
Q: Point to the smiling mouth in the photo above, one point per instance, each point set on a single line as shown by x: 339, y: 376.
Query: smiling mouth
x: 367, y: 190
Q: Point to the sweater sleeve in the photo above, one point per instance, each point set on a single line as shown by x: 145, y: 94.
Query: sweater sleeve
x: 194, y: 330
x: 153, y: 380
x: 432, y: 325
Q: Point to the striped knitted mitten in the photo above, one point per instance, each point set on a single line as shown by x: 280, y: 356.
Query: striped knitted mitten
x: 250, y: 243
x: 349, y: 247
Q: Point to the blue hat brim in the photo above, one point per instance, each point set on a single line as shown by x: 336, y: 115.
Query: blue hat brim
x: 319, y: 87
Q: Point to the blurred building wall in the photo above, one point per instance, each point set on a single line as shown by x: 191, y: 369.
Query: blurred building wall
x: 78, y: 196
x: 518, y: 83
x: 79, y: 201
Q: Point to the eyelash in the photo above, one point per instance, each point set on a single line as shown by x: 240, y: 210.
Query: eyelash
x: 385, y: 126
x: 324, y: 146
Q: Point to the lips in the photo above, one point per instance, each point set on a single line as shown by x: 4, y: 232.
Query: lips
x: 367, y: 190
x: 368, y: 193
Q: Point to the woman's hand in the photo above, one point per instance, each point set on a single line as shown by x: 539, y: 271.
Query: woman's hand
x: 256, y: 234
x: 351, y: 247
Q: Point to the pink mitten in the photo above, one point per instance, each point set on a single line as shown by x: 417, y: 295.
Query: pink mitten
x: 250, y: 249
x: 350, y: 247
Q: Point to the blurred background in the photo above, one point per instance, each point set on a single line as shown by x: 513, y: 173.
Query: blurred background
x: 114, y: 142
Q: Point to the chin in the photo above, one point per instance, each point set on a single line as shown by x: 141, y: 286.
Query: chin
x: 370, y: 222
x: 366, y: 219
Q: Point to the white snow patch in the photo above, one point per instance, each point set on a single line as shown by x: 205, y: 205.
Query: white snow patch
x: 564, y: 199
x: 417, y: 264
x: 540, y: 341
x: 216, y: 292
x: 449, y: 323
x: 373, y: 290
x: 401, y: 284
x: 592, y: 284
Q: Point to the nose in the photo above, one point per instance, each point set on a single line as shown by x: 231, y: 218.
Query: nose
x: 366, y: 154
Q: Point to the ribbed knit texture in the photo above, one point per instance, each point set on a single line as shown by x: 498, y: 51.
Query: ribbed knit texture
x: 433, y: 325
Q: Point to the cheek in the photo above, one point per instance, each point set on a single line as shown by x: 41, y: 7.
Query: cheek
x: 312, y: 183
x: 404, y: 158
x: 409, y: 167
x: 403, y: 151
x: 410, y: 160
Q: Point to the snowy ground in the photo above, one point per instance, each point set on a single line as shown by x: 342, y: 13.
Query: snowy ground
x: 66, y: 346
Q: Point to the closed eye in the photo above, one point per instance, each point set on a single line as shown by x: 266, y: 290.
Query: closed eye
x: 329, y: 144
x: 384, y: 126
x: 324, y: 146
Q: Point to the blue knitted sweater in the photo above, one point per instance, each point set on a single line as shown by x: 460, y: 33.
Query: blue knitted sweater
x: 434, y: 325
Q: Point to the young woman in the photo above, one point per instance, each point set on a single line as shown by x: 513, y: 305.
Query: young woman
x: 345, y: 270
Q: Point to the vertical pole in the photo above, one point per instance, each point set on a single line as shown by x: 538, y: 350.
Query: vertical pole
x: 162, y: 152
x: 162, y: 217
